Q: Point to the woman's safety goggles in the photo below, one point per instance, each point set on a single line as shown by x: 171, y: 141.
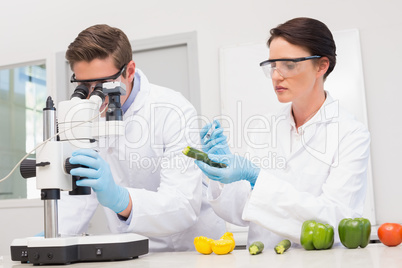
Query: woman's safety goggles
x: 285, y: 67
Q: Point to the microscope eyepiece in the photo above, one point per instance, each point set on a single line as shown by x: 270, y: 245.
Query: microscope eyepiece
x: 98, y: 91
x: 81, y: 92
x: 114, y: 90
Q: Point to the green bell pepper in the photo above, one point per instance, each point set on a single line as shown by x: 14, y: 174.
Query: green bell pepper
x: 316, y: 235
x: 354, y: 232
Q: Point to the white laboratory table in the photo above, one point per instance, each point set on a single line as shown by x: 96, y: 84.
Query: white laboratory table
x: 374, y: 255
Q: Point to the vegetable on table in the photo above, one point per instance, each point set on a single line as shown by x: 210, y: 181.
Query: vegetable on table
x: 354, y: 232
x: 282, y: 246
x: 390, y: 234
x: 199, y: 155
x: 256, y: 248
x: 316, y: 235
x: 229, y: 236
x: 222, y: 246
x: 203, y: 245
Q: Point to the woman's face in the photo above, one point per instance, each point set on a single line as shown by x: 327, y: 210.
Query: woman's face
x: 302, y: 83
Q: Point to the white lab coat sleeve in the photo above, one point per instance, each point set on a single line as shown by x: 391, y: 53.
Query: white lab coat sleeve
x: 228, y: 200
x: 75, y: 212
x: 278, y: 206
x: 175, y: 205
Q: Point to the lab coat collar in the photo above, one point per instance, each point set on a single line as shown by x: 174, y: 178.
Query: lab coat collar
x: 134, y: 91
x: 328, y: 112
x: 144, y: 90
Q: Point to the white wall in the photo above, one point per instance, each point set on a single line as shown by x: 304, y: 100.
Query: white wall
x: 32, y: 30
x: 19, y: 218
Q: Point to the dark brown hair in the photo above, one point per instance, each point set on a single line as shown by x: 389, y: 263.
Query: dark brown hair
x: 310, y: 34
x: 99, y: 42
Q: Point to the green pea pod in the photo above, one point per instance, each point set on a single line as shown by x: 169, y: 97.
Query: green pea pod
x: 316, y: 235
x: 354, y: 232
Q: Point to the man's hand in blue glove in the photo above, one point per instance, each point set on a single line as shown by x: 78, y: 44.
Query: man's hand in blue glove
x: 238, y: 168
x: 99, y: 177
x: 216, y: 143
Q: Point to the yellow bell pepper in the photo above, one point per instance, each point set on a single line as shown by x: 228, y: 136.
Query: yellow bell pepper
x: 229, y: 236
x: 222, y: 246
x: 203, y: 244
x: 206, y: 245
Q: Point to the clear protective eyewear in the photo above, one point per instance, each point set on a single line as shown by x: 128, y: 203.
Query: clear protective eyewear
x: 91, y: 83
x: 285, y: 67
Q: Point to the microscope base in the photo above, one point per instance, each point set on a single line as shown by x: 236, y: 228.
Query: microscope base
x: 65, y: 250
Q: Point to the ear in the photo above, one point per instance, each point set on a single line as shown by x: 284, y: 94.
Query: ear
x: 130, y: 70
x: 323, y: 65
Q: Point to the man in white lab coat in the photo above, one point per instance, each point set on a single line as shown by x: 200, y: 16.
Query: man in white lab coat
x: 313, y: 156
x: 145, y: 183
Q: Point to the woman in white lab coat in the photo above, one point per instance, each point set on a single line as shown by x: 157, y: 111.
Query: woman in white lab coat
x: 313, y: 156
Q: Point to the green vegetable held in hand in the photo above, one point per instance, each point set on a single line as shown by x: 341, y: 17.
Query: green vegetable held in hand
x: 354, y: 232
x: 256, y: 248
x: 282, y: 246
x: 316, y: 235
x: 199, y: 155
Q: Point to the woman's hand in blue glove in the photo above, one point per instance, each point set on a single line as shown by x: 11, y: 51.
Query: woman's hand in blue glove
x: 99, y: 177
x: 217, y: 142
x: 238, y: 168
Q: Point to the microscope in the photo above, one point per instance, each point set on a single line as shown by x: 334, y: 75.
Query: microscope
x: 79, y: 125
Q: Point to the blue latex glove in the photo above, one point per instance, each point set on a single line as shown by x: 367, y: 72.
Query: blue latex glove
x: 41, y: 234
x: 217, y: 142
x: 238, y: 168
x: 99, y: 177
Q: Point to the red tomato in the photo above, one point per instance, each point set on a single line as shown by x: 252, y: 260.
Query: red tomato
x: 390, y: 234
